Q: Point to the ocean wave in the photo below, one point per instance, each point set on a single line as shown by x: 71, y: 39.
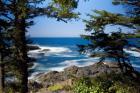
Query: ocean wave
x: 132, y: 53
x: 56, y: 49
x: 68, y: 63
x: 43, y: 70
x: 34, y: 75
x: 137, y: 66
x: 44, y: 49
x: 64, y: 55
x: 59, y: 68
x: 70, y: 57
x: 49, y: 51
x: 34, y: 65
x: 80, y: 62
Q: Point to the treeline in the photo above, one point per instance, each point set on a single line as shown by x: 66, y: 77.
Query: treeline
x: 15, y: 17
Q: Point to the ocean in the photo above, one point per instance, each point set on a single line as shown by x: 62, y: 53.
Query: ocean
x: 59, y: 53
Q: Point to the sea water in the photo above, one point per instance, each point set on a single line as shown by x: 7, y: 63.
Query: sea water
x: 59, y: 53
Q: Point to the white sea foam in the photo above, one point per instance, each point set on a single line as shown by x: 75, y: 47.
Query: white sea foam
x: 34, y: 75
x: 55, y: 49
x: 66, y: 52
x: 44, y: 71
x: 64, y: 65
x: 60, y: 68
x: 132, y: 53
x: 47, y: 49
x: 65, y: 55
x: 80, y: 62
x: 34, y: 66
x: 137, y: 66
x: 69, y: 63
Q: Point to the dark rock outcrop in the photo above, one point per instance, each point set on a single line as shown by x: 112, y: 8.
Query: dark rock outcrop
x: 33, y: 47
x: 136, y: 49
x: 74, y: 71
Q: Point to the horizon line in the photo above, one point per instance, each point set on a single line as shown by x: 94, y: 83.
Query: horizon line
x: 54, y: 37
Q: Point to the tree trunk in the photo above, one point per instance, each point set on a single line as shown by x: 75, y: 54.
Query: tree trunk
x: 24, y: 78
x: 21, y: 45
x: 22, y: 58
x: 120, y: 64
x: 1, y: 75
x: 21, y: 52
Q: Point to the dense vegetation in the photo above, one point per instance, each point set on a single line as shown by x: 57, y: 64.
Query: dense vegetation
x: 107, y: 83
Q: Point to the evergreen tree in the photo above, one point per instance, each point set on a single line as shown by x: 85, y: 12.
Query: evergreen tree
x: 106, y: 45
x: 21, y: 14
x: 4, y: 44
x: 112, y: 44
x: 3, y: 50
x: 132, y: 8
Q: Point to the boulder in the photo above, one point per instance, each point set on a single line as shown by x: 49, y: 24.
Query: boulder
x: 44, y: 50
x: 71, y: 70
x: 50, y: 78
x: 33, y: 47
x: 137, y: 49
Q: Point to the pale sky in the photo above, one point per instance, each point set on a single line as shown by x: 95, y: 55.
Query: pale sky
x: 47, y: 27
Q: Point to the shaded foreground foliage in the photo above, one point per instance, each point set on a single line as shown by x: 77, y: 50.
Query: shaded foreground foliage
x: 107, y: 83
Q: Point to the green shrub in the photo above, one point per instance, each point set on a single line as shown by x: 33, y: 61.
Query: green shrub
x: 84, y: 85
x: 109, y: 83
x: 67, y: 88
x: 55, y: 87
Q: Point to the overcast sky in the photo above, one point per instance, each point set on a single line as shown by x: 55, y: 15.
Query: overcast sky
x: 47, y: 27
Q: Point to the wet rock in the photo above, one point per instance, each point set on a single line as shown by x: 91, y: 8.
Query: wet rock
x: 33, y: 47
x: 50, y: 78
x: 44, y: 50
x: 34, y: 86
x: 137, y: 49
x: 71, y: 70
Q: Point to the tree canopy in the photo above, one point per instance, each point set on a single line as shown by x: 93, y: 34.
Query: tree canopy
x: 109, y: 45
x: 16, y: 16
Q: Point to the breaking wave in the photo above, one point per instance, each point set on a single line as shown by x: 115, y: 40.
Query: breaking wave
x: 57, y: 58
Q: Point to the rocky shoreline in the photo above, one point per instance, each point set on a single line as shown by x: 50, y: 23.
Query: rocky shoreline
x: 44, y: 80
x: 73, y: 71
x: 66, y: 76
